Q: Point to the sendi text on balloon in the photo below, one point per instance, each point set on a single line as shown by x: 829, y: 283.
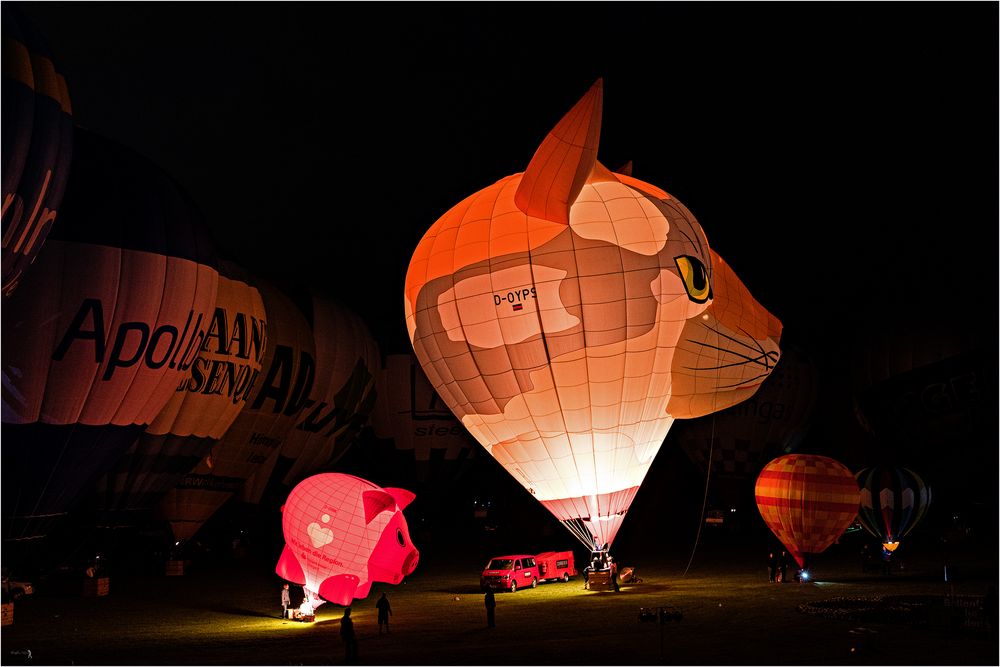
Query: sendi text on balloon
x: 223, y: 375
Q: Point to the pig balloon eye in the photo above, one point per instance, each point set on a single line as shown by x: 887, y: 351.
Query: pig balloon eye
x: 399, y: 538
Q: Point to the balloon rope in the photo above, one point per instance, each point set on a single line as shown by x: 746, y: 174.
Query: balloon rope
x: 576, y: 527
x: 704, y: 499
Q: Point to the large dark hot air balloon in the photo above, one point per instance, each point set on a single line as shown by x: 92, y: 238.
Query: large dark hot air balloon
x: 340, y: 401
x: 37, y: 143
x: 926, y: 394
x: 251, y: 444
x: 100, y: 332
x: 893, y: 501
x: 198, y: 414
x: 430, y: 446
x: 567, y: 315
x: 807, y: 501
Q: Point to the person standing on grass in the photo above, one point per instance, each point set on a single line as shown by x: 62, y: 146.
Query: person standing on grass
x: 350, y: 640
x: 491, y: 605
x: 772, y: 567
x: 384, y: 612
x: 286, y: 601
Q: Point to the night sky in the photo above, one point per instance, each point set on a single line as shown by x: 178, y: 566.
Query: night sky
x: 841, y: 157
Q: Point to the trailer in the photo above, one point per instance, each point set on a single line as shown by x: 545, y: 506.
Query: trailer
x: 555, y: 565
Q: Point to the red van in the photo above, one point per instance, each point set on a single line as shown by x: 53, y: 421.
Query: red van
x: 510, y: 573
x: 524, y: 570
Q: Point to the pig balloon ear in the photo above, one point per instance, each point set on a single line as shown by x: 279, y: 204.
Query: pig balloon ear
x: 385, y: 499
x: 376, y: 502
x: 402, y: 496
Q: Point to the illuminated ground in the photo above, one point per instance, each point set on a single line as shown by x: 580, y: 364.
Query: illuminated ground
x: 731, y: 616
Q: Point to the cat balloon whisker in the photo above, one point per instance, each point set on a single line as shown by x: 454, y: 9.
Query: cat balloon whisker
x: 755, y: 348
x: 720, y: 367
x: 746, y: 359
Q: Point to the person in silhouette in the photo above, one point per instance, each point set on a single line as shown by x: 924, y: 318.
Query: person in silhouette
x: 783, y: 567
x: 286, y: 601
x: 350, y: 640
x: 593, y: 567
x: 384, y: 612
x: 491, y: 605
x: 772, y: 567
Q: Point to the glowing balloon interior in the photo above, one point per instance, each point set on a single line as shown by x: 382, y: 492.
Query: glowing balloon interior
x: 567, y: 315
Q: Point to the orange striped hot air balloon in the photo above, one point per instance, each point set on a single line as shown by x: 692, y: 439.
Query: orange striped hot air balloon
x: 807, y: 501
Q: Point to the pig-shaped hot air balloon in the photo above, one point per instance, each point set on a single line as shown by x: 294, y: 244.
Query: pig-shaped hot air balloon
x: 341, y: 534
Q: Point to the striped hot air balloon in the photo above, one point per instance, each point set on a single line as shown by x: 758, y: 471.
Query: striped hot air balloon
x: 807, y: 501
x: 893, y: 501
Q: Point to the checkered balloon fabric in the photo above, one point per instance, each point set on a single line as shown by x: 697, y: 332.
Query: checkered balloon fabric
x: 807, y: 501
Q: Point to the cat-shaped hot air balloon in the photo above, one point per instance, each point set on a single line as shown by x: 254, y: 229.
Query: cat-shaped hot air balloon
x: 567, y: 315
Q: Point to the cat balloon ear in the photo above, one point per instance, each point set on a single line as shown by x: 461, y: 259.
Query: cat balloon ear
x: 564, y: 161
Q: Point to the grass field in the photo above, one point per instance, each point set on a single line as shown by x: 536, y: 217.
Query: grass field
x: 227, y: 613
